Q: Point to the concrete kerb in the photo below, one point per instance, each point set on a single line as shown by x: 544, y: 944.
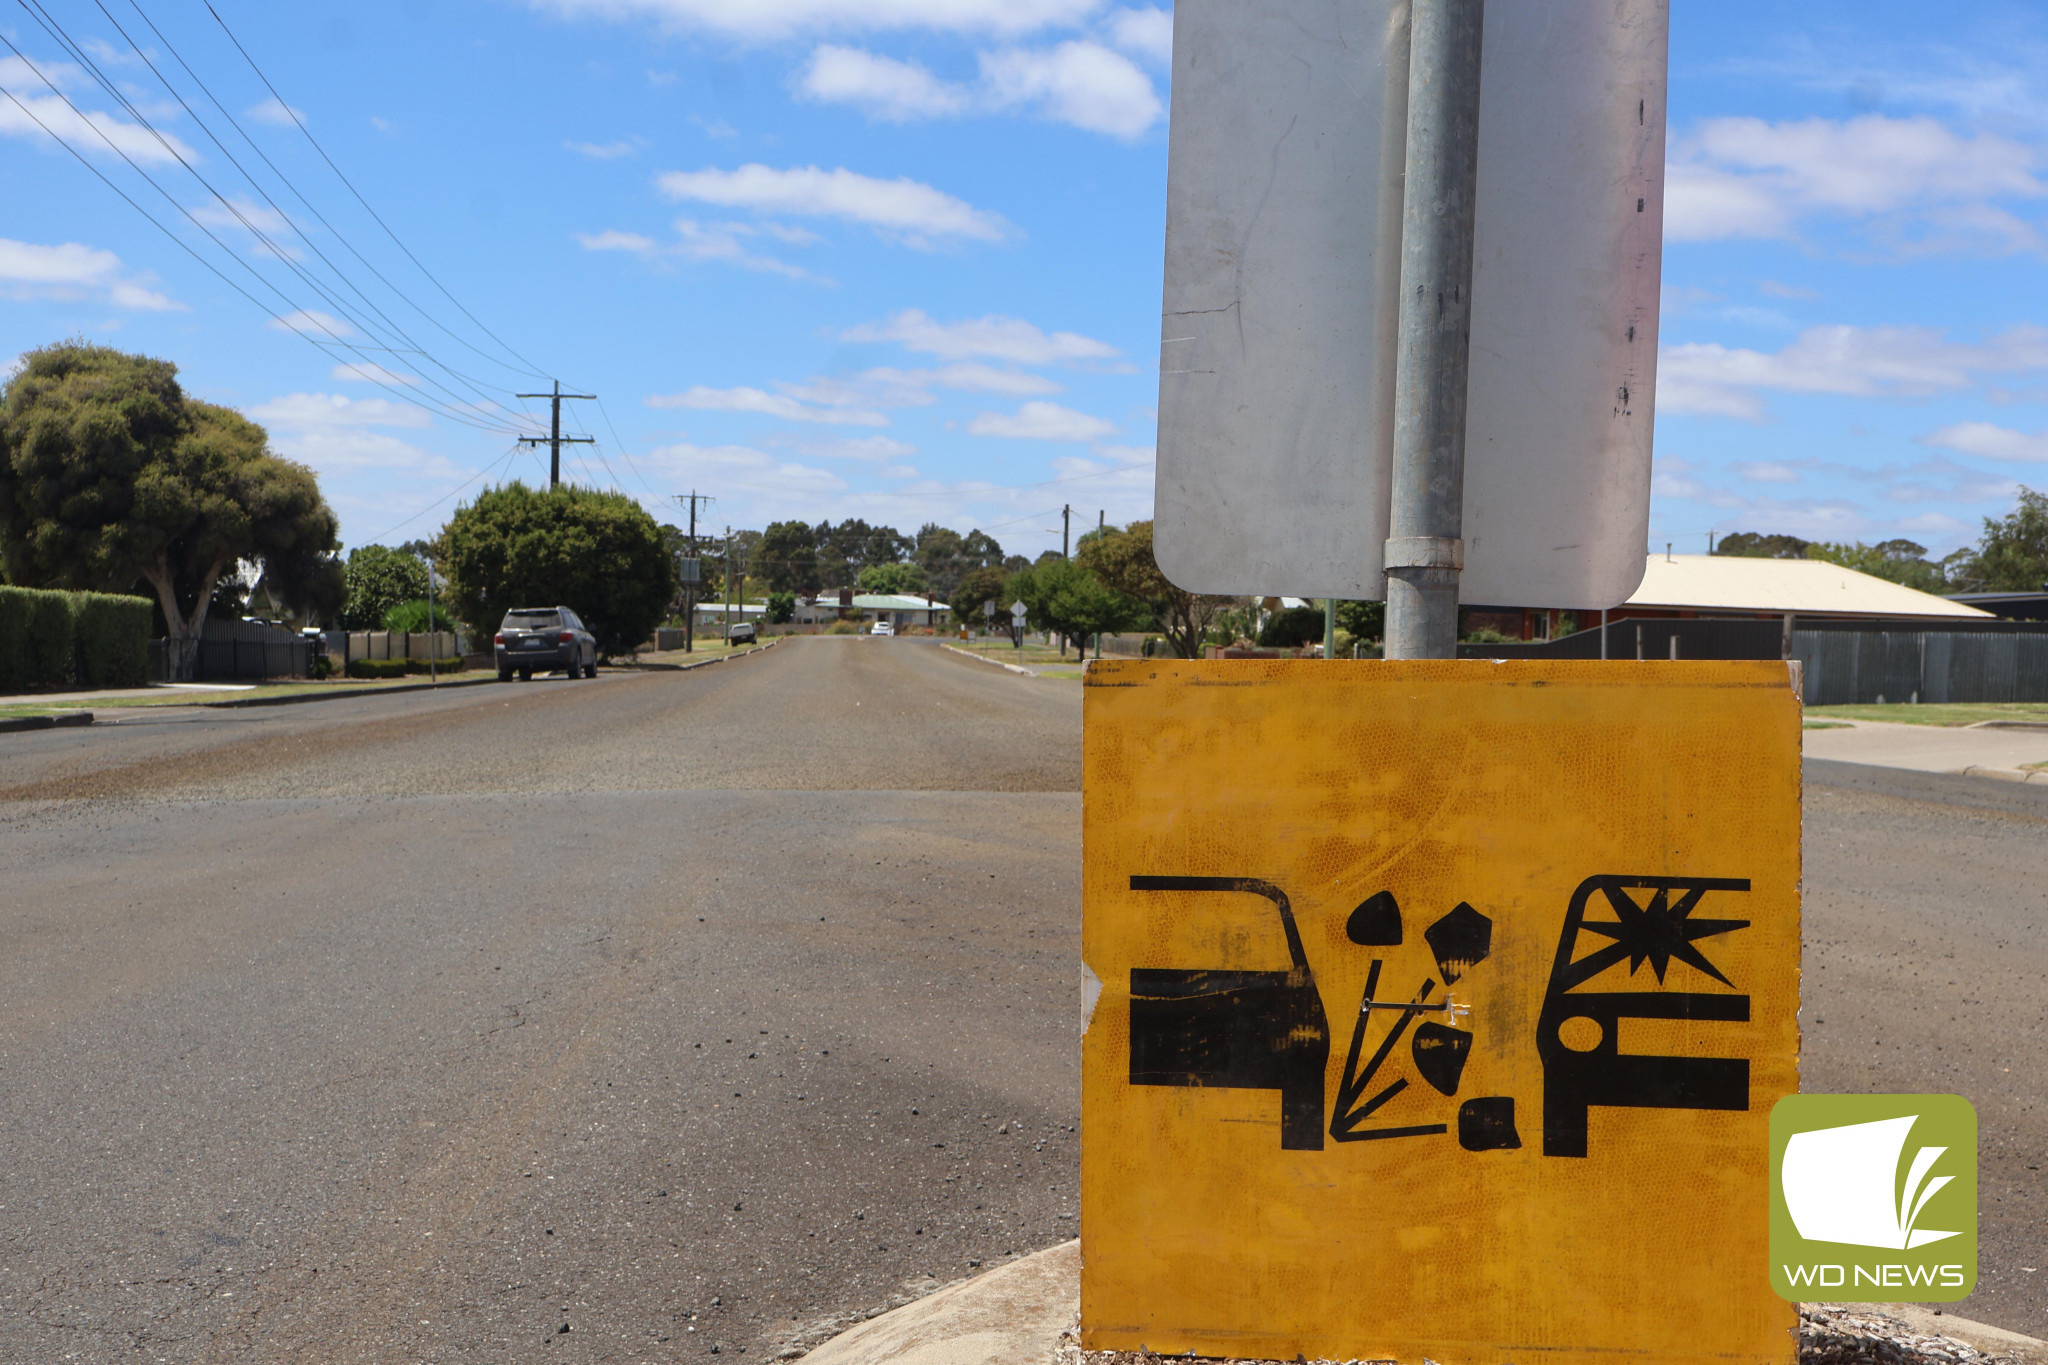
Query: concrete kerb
x: 12, y: 724
x: 984, y: 659
x: 86, y: 717
x: 639, y: 667
x: 393, y: 691
x: 2039, y: 775
x: 1023, y: 1313
x: 1011, y: 1315
x: 1929, y: 1320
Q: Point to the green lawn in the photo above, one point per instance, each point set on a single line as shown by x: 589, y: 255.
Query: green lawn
x: 706, y: 649
x: 1944, y: 713
x: 1002, y: 651
x: 182, y: 697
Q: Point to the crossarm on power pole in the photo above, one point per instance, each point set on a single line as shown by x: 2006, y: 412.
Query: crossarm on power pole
x: 555, y: 440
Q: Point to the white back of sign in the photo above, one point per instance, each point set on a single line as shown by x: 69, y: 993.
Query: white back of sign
x: 1282, y: 275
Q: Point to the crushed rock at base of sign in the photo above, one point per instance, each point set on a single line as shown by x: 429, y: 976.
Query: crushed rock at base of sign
x: 1827, y: 1336
x: 1844, y: 1336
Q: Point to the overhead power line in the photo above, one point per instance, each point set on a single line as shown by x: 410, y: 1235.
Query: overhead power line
x: 300, y: 123
x: 474, y: 387
x: 292, y: 307
x: 455, y: 406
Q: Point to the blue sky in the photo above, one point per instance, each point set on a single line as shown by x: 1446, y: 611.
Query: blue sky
x: 899, y: 259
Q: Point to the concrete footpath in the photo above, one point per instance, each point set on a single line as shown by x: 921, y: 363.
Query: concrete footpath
x: 1994, y: 750
x: 1024, y: 1313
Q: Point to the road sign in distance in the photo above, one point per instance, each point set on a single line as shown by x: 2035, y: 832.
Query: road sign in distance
x: 1276, y: 391
x: 1441, y: 1009
x: 1019, y: 611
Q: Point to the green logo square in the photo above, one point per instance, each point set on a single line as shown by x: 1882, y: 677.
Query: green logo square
x: 1873, y: 1198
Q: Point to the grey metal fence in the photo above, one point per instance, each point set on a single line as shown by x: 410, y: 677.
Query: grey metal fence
x: 1843, y: 661
x: 1843, y: 666
x: 239, y: 651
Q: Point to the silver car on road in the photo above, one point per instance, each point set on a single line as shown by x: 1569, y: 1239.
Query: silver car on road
x: 545, y: 640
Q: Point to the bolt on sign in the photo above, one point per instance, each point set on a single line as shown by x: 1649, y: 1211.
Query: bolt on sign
x: 1442, y: 1007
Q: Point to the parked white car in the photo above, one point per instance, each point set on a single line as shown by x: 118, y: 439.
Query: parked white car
x: 881, y: 628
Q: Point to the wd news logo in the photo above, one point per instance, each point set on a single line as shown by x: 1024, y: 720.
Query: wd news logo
x: 1873, y: 1197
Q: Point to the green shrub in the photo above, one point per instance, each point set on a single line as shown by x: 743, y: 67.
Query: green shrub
x: 843, y: 628
x: 35, y: 639
x: 1292, y: 628
x: 111, y: 639
x: 399, y: 668
x: 412, y: 616
x: 377, y: 668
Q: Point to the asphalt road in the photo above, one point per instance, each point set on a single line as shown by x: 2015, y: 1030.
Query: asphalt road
x: 678, y: 1010
x: 695, y: 1010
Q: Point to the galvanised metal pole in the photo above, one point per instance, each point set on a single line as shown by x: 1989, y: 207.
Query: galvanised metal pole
x: 1329, y: 627
x: 1425, y: 549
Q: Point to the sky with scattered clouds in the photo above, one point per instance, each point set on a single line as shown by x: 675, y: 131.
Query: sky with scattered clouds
x: 900, y: 259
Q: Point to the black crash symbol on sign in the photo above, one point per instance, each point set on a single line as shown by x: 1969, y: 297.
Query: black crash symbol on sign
x: 1266, y: 1030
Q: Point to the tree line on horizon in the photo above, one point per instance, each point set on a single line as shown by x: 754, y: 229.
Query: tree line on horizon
x: 2011, y: 554
x: 113, y: 479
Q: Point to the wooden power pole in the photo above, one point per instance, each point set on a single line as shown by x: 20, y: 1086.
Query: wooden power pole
x: 555, y: 440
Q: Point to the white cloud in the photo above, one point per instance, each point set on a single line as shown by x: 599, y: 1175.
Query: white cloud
x: 967, y: 376
x: 742, y: 469
x: 993, y: 337
x: 721, y: 242
x: 601, y: 151
x: 907, y: 209
x: 364, y: 372
x: 1745, y: 177
x: 1990, y: 442
x: 1932, y: 524
x: 1147, y: 33
x: 1766, y: 472
x: 43, y: 111
x: 271, y: 232
x: 1786, y: 291
x: 72, y: 270
x: 276, y: 113
x: 768, y: 19
x: 315, y: 411
x: 1129, y: 455
x: 1708, y: 379
x: 1039, y: 421
x: 106, y: 54
x: 780, y: 405
x: 1081, y: 83
x: 611, y: 240
x: 311, y: 322
x: 857, y: 448
x: 346, y: 450
x: 1078, y: 83
x: 888, y: 89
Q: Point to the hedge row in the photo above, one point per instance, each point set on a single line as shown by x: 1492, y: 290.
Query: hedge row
x: 398, y: 668
x: 72, y: 639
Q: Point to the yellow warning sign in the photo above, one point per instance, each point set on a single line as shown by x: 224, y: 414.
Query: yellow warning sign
x: 1441, y: 1009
